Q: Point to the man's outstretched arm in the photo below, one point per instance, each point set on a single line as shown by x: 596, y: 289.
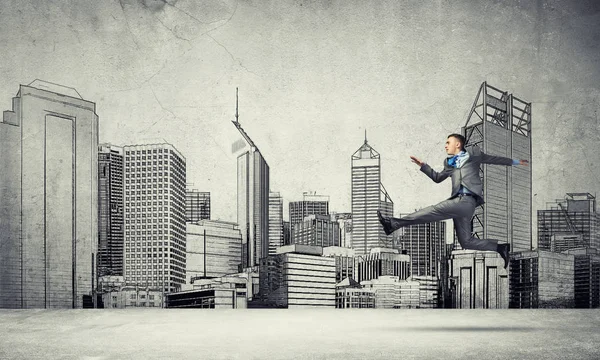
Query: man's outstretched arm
x: 433, y: 175
x: 500, y: 160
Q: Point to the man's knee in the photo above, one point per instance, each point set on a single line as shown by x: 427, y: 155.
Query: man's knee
x: 466, y: 241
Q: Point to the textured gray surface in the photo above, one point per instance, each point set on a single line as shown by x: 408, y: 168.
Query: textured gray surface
x: 312, y: 76
x: 300, y: 334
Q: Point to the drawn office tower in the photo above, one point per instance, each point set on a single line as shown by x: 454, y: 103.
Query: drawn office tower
x: 426, y: 246
x: 155, y: 229
x: 110, y: 210
x: 368, y: 195
x: 499, y: 124
x: 213, y: 249
x: 252, y: 201
x: 275, y: 222
x: 311, y: 204
x: 48, y: 199
x: 197, y: 205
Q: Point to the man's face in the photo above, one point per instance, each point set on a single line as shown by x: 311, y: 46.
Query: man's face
x: 452, y: 146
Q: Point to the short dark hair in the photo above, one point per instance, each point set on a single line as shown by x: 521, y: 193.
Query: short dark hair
x: 460, y: 139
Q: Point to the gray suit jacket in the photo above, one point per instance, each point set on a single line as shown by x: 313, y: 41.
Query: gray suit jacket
x: 468, y: 174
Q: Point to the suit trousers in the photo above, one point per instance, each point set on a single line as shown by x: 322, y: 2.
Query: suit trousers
x: 461, y: 210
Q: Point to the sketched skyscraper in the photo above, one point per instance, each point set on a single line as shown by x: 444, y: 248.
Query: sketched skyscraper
x: 252, y: 201
x: 368, y: 195
x: 426, y: 246
x: 48, y: 199
x: 499, y: 124
x: 311, y: 204
x: 155, y: 229
x: 110, y: 209
x: 275, y: 222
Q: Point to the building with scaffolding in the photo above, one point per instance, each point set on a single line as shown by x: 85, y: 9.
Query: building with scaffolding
x: 499, y: 123
x: 569, y: 223
x: 252, y: 200
x: 197, y: 204
x: 368, y: 195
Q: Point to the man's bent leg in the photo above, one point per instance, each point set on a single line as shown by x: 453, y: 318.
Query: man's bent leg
x: 467, y: 241
x: 444, y: 210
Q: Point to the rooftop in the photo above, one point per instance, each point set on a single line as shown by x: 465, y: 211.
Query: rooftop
x: 55, y: 88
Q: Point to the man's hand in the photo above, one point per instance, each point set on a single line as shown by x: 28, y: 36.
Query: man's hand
x: 524, y: 162
x: 416, y: 161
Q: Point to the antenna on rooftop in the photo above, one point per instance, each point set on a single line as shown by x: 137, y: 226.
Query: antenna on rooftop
x: 237, y: 116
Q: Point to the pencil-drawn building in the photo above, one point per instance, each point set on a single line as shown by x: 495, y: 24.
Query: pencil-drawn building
x: 214, y: 249
x: 110, y: 210
x: 569, y: 223
x: 252, y: 202
x: 48, y: 199
x: 197, y: 205
x: 368, y: 196
x: 498, y: 123
x: 155, y: 232
x: 276, y: 236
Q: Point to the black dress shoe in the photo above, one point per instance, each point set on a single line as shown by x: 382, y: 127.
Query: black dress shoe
x: 387, y: 225
x: 503, y: 250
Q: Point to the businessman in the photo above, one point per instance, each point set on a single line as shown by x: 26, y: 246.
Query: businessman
x: 467, y: 193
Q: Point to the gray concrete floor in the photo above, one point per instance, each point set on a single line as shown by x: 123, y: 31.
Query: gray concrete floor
x: 299, y: 334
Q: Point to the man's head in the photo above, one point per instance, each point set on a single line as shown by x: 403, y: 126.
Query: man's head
x: 454, y: 144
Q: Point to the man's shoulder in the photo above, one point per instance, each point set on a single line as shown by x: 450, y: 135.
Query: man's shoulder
x: 474, y: 150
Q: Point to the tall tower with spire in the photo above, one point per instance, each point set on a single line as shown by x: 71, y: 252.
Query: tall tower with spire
x: 252, y: 200
x: 368, y: 195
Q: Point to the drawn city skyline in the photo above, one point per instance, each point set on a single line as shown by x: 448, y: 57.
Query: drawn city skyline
x: 161, y: 71
x: 133, y: 180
